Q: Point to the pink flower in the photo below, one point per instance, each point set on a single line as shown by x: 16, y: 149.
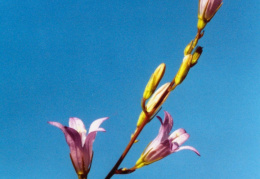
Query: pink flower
x: 164, y: 145
x: 80, y: 143
x: 207, y: 9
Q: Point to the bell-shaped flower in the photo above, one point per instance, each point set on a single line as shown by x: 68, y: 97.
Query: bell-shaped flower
x: 164, y: 145
x: 80, y: 143
x: 207, y: 9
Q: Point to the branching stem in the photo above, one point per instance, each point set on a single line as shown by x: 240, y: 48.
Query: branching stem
x: 133, y: 138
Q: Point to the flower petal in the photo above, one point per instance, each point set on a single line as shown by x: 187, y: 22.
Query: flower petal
x: 95, y: 124
x: 176, y: 134
x: 164, y: 131
x: 87, y: 147
x: 159, y: 152
x: 74, y: 141
x: 174, y: 147
x: 202, y: 6
x: 181, y: 139
x: 189, y: 148
x: 165, y: 128
x: 79, y: 126
x: 213, y: 5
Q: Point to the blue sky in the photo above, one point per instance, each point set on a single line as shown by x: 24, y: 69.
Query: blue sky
x: 92, y: 59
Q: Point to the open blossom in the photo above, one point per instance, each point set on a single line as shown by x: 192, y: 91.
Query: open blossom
x: 207, y: 9
x: 163, y: 145
x: 80, y: 143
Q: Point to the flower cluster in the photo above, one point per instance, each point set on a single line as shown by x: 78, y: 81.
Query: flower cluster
x: 80, y: 142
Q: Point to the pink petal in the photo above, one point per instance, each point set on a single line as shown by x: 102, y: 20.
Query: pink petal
x: 165, y: 128
x: 188, y: 148
x: 79, y: 126
x: 95, y: 124
x: 160, y: 119
x: 174, y: 147
x: 202, y: 6
x: 87, y: 148
x: 212, y: 7
x: 164, y: 131
x: 159, y: 152
x: 181, y: 139
x: 176, y: 134
x: 74, y: 141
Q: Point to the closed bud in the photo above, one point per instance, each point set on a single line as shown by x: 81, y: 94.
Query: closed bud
x: 188, y: 48
x: 155, y: 102
x: 196, y: 56
x: 183, y: 70
x: 207, y: 9
x: 154, y: 81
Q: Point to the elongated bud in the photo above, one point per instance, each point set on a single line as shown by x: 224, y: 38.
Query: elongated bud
x: 188, y: 48
x: 154, y: 81
x: 183, y: 70
x: 207, y: 9
x: 196, y: 56
x: 155, y: 102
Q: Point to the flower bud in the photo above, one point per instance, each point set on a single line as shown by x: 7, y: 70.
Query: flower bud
x: 155, y: 102
x: 154, y: 81
x: 207, y: 9
x: 196, y: 56
x: 188, y: 49
x: 183, y: 70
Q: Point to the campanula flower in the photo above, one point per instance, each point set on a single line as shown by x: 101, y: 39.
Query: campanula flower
x: 207, y: 9
x: 80, y: 143
x: 164, y: 145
